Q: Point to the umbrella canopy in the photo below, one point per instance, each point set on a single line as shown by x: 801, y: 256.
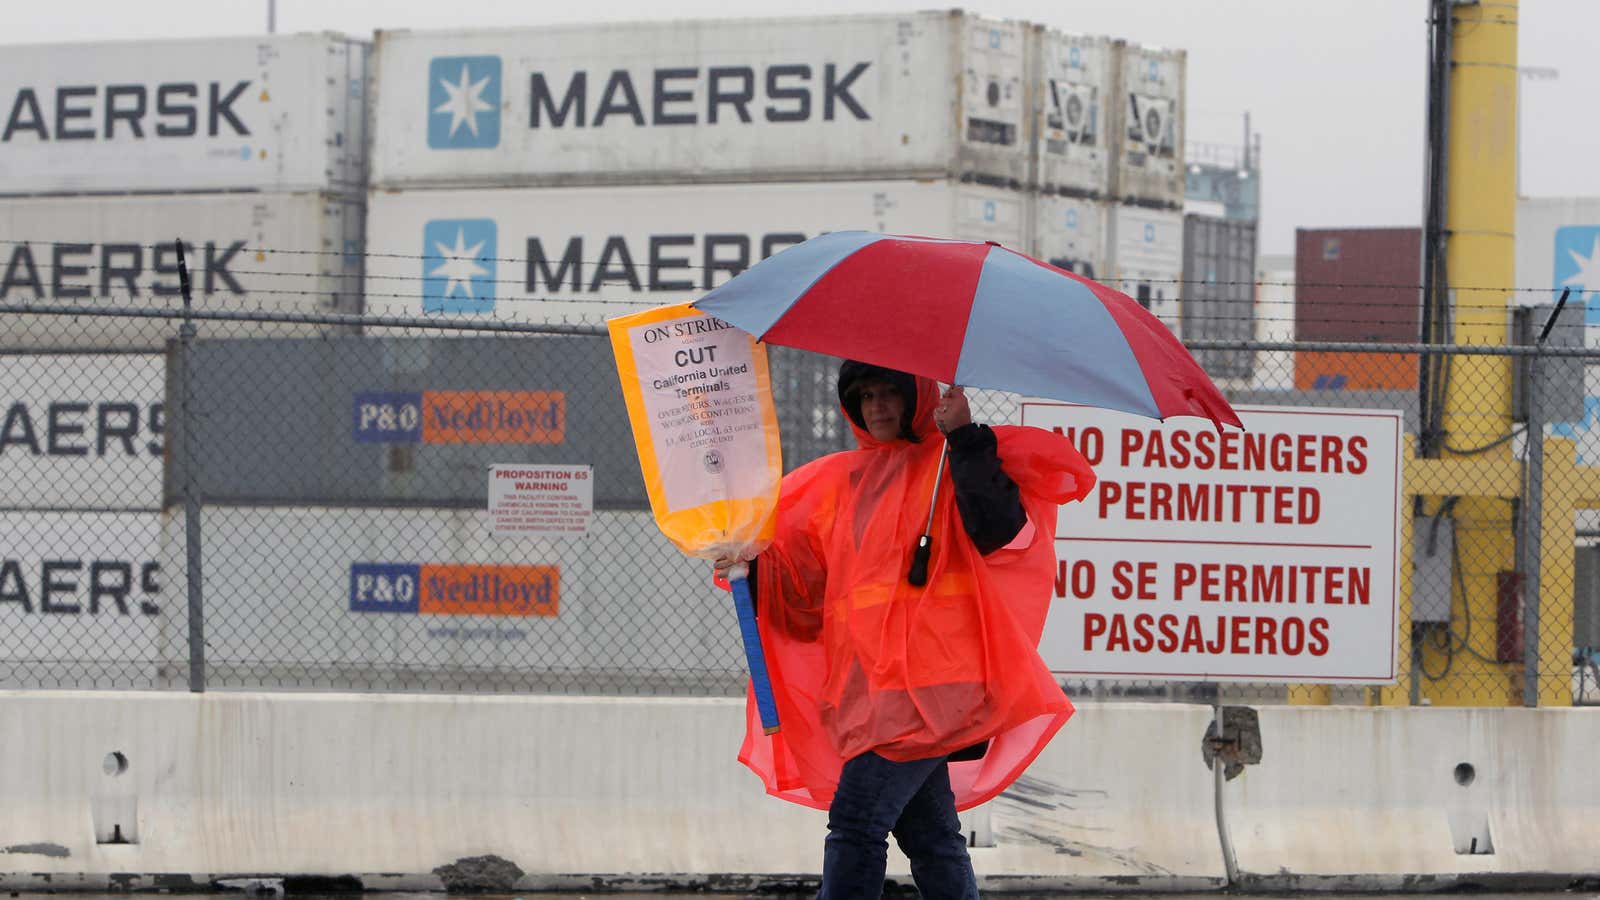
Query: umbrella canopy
x: 969, y: 313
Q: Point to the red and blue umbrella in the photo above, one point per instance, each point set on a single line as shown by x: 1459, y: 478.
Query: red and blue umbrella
x: 969, y: 313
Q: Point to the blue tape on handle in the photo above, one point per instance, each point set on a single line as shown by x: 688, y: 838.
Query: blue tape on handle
x: 754, y: 657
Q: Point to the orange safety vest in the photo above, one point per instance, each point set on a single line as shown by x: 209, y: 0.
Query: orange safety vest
x: 861, y: 660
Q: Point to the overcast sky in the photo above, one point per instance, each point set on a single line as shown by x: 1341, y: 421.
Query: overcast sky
x: 1335, y: 87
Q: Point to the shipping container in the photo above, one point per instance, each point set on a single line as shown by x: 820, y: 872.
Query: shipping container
x: 82, y: 431
x: 217, y: 114
x: 582, y: 254
x: 1070, y: 233
x: 1147, y: 258
x: 930, y: 94
x: 1149, y: 125
x: 1358, y: 284
x: 1218, y: 291
x: 1073, y: 104
x: 1558, y: 248
x: 397, y: 599
x: 85, y: 599
x: 294, y: 253
x: 1275, y: 320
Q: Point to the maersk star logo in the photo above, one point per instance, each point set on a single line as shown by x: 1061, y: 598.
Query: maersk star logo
x: 1578, y: 266
x: 463, y: 102
x: 458, y: 265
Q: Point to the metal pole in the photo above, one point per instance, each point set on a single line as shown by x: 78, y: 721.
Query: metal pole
x: 1533, y: 538
x: 1230, y: 860
x: 191, y: 499
x: 272, y: 16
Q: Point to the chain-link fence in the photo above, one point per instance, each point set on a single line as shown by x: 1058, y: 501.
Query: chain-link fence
x: 275, y: 501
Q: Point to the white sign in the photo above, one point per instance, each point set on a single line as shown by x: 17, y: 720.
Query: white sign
x: 541, y: 500
x: 1270, y: 554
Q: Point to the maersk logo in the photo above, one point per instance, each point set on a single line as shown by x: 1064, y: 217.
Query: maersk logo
x: 463, y: 102
x: 1578, y: 265
x: 458, y: 264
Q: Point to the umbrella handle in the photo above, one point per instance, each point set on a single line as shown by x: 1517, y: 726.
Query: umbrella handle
x: 918, y: 576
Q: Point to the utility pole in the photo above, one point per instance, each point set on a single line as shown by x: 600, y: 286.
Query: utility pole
x: 272, y: 16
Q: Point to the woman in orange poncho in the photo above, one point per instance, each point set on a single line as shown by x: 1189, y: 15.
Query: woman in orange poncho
x: 901, y: 704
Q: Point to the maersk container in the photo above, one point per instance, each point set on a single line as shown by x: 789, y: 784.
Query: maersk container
x: 1070, y: 233
x: 82, y: 431
x: 1073, y: 104
x: 1147, y: 259
x: 296, y: 253
x: 583, y: 254
x: 928, y: 94
x: 384, y: 598
x: 1558, y: 248
x: 1147, y: 152
x: 231, y: 114
x: 86, y: 596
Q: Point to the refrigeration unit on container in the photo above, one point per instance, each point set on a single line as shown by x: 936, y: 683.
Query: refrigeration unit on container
x: 1147, y: 259
x: 1149, y: 124
x: 1074, y: 107
x: 582, y: 254
x: 289, y: 253
x: 392, y: 598
x: 1218, y: 291
x: 216, y: 114
x: 1070, y: 233
x: 928, y: 94
x: 82, y: 431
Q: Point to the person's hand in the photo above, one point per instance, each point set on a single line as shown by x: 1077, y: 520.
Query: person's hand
x: 726, y: 556
x: 952, y: 411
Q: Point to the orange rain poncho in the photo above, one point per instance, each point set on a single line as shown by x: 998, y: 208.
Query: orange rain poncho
x: 861, y: 660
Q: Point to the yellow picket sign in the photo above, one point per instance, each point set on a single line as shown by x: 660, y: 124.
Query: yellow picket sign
x: 700, y: 402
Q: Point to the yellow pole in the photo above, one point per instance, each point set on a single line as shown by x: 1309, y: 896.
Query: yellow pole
x: 1481, y: 208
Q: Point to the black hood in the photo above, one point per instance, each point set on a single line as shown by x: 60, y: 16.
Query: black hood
x: 852, y: 373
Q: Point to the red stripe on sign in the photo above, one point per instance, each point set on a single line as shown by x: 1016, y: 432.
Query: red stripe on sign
x: 900, y: 304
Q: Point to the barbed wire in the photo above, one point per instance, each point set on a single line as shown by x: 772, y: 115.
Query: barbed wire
x: 611, y: 264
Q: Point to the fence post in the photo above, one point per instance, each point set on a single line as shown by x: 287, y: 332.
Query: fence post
x: 191, y: 500
x: 1532, y: 534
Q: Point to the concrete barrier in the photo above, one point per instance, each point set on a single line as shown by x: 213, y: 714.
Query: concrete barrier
x: 524, y: 793
x: 1353, y: 798
x: 543, y: 792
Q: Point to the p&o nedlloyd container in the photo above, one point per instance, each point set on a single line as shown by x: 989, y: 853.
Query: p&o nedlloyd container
x: 1074, y: 103
x: 1147, y: 156
x: 929, y: 94
x: 230, y: 114
x: 583, y: 254
x: 1147, y: 259
x: 297, y: 253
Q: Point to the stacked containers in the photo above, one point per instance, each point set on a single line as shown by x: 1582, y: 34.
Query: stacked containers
x: 1074, y: 77
x: 905, y: 123
x: 1145, y: 220
x: 111, y: 152
x: 239, y: 147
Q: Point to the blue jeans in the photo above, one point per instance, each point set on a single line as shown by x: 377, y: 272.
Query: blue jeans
x: 911, y: 799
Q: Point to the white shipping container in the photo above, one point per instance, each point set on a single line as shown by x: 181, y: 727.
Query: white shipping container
x: 580, y: 254
x: 246, y: 113
x: 82, y: 431
x: 1070, y: 233
x: 294, y: 253
x: 930, y: 94
x: 1147, y: 258
x: 84, y: 588
x: 1149, y: 124
x: 1073, y: 111
x: 1558, y: 247
x: 301, y: 593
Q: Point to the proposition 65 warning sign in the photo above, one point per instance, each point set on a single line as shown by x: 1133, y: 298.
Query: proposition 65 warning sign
x: 1269, y: 554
